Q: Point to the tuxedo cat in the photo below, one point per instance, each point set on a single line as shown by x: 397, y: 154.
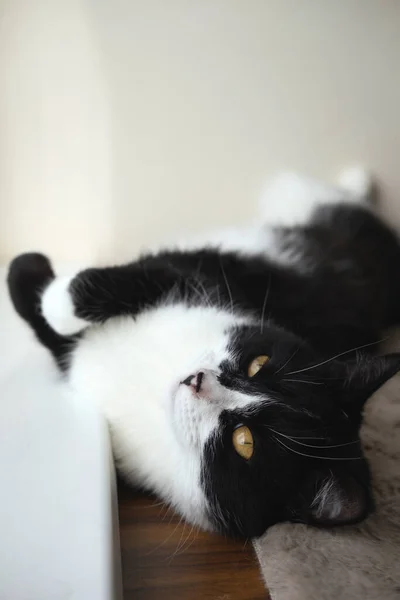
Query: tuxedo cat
x: 233, y: 371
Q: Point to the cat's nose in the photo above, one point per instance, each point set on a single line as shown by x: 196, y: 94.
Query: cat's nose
x: 195, y: 381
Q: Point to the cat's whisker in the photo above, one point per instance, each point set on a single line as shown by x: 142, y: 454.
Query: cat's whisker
x: 288, y: 361
x: 192, y: 541
x: 265, y: 304
x: 324, y: 362
x: 226, y: 284
x: 295, y: 441
x: 181, y: 548
x: 307, y: 438
x: 295, y: 437
x: 206, y: 295
x: 167, y: 538
x: 179, y: 543
x: 171, y: 512
x: 199, y: 268
x: 154, y: 505
x: 201, y: 294
x: 195, y: 291
x: 304, y: 381
x: 164, y: 509
x: 219, y: 297
x: 316, y: 456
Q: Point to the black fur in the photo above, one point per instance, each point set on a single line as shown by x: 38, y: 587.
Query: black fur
x: 336, y: 300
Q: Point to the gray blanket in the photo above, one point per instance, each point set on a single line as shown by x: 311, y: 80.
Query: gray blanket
x: 360, y: 562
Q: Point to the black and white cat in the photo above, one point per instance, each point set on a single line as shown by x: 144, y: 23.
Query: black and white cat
x: 233, y: 373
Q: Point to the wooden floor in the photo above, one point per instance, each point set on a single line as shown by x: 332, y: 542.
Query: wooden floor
x: 162, y: 559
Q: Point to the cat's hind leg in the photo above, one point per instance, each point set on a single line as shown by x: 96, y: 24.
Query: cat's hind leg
x: 290, y: 200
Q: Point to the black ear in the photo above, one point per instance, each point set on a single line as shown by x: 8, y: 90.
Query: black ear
x: 331, y: 498
x: 356, y: 381
x: 369, y: 373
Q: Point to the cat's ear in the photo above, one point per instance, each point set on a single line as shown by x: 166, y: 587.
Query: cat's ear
x: 359, y: 379
x: 369, y: 373
x: 331, y: 498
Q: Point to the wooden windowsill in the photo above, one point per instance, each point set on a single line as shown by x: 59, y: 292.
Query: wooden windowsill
x: 162, y: 559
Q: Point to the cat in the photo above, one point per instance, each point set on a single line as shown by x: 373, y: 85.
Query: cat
x: 233, y: 371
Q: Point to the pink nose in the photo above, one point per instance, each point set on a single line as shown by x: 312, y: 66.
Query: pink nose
x: 195, y: 381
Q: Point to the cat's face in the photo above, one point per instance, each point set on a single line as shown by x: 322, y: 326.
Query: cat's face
x: 236, y: 426
x: 278, y: 432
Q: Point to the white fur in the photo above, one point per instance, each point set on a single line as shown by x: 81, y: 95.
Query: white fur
x: 58, y: 309
x: 291, y: 199
x: 328, y: 500
x: 133, y: 369
x: 357, y: 181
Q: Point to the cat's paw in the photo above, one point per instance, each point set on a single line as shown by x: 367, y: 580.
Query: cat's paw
x: 357, y: 181
x: 58, y: 307
x: 290, y: 199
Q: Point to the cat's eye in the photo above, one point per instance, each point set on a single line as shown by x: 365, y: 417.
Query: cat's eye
x: 243, y: 442
x: 256, y: 364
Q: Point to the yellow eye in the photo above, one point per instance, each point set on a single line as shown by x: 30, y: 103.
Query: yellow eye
x: 243, y: 442
x: 256, y: 365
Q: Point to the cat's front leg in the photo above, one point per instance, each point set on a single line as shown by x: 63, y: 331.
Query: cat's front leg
x: 70, y: 304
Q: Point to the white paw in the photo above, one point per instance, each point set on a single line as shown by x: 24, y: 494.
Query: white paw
x: 290, y: 199
x: 357, y: 181
x: 58, y: 308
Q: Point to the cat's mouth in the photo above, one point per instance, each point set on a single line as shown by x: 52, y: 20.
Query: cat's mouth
x: 196, y: 404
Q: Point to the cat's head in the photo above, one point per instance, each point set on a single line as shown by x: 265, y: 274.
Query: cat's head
x: 277, y: 428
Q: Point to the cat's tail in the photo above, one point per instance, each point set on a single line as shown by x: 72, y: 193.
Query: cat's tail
x: 28, y: 275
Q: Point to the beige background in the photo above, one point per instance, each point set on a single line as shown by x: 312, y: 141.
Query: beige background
x: 124, y: 122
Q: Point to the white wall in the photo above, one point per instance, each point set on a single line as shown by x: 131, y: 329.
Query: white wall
x: 55, y: 146
x: 123, y: 122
